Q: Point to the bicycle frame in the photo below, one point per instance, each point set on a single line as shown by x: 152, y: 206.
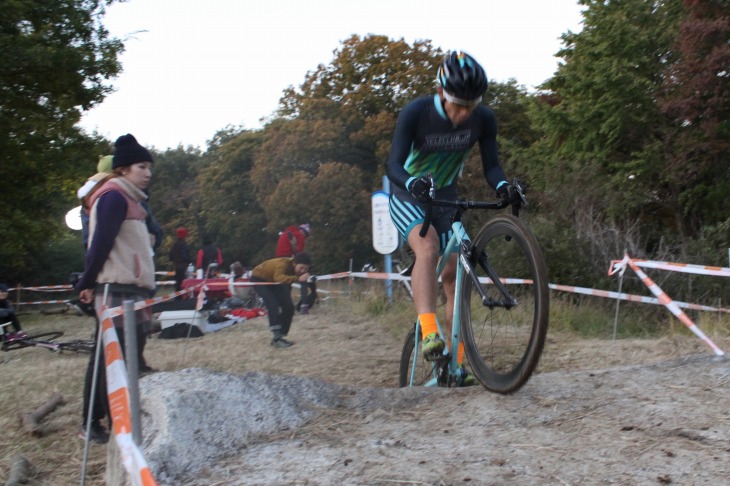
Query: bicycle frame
x: 459, y: 244
x: 505, y: 346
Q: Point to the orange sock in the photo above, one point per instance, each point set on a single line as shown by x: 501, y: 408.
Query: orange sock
x: 428, y: 324
x: 460, y: 353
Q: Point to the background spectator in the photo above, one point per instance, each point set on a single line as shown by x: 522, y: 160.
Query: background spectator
x: 7, y: 314
x: 180, y: 257
x: 207, y: 255
x: 291, y: 241
x: 277, y: 298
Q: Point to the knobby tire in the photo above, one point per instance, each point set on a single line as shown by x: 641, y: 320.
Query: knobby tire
x: 423, y: 368
x: 30, y: 341
x: 503, y: 346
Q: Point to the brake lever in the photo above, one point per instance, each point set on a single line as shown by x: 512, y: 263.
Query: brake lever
x: 522, y: 201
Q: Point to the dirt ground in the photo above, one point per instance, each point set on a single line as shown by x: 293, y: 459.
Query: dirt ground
x: 627, y: 412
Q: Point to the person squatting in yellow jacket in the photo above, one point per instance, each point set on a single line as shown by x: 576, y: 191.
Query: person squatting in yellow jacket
x: 277, y: 298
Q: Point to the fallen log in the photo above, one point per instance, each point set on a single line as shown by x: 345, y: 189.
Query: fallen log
x: 30, y: 421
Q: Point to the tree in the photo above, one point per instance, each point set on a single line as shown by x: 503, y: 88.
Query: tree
x: 370, y: 74
x: 55, y: 61
x: 599, y: 159
x: 696, y: 99
x: 346, y: 111
x: 338, y: 124
x: 334, y: 201
x: 228, y: 208
x: 173, y: 195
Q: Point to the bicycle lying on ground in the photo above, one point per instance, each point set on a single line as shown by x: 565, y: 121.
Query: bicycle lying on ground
x: 48, y: 341
x: 501, y: 304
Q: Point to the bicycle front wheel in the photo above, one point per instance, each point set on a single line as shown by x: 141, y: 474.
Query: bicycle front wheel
x: 29, y: 341
x: 414, y: 369
x: 504, y: 338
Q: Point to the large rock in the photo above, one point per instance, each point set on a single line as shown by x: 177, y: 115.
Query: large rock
x: 194, y: 417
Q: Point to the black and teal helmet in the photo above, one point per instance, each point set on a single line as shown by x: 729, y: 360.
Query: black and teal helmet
x: 462, y: 78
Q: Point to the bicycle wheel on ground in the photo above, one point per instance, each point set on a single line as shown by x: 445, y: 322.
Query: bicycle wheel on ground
x: 414, y: 370
x: 504, y: 344
x: 32, y: 340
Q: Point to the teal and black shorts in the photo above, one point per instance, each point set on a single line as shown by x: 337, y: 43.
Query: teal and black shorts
x: 407, y: 212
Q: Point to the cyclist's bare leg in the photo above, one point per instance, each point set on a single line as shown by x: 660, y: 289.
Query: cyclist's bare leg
x: 448, y: 280
x: 423, y: 276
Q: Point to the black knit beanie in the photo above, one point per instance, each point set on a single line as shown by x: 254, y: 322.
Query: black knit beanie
x: 127, y: 152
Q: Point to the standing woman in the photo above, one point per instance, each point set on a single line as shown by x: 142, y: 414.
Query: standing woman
x: 119, y: 255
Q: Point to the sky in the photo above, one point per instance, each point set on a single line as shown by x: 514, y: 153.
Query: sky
x: 192, y: 67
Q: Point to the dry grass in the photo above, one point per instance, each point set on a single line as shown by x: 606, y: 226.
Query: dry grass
x: 351, y: 341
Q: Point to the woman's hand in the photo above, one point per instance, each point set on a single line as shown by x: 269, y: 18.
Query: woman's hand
x: 87, y: 296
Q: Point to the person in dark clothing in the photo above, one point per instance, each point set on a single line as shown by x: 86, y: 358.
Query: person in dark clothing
x: 209, y: 254
x: 277, y: 298
x: 7, y: 315
x: 180, y: 257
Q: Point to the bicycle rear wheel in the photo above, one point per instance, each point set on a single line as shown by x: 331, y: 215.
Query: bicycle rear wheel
x: 504, y: 344
x: 423, y: 371
x: 29, y: 341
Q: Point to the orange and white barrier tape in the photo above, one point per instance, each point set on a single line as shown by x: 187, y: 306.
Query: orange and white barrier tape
x: 43, y: 302
x: 47, y: 288
x: 672, y: 267
x: 119, y: 408
x: 632, y: 298
x: 619, y: 266
x: 118, y: 391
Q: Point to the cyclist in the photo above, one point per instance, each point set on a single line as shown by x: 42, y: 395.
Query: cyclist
x: 433, y: 136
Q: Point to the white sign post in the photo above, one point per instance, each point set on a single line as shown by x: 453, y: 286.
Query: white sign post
x: 385, y: 234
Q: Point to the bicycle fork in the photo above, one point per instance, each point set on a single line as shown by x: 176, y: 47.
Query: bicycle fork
x: 508, y: 302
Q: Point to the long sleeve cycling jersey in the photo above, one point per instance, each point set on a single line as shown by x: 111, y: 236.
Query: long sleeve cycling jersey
x: 426, y: 142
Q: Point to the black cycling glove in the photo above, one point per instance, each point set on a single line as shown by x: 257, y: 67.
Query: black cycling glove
x: 507, y: 193
x: 421, y: 189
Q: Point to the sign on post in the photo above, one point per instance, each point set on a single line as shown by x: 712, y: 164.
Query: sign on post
x: 385, y: 234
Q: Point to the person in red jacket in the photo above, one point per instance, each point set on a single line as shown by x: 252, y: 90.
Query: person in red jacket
x: 210, y: 258
x: 291, y: 241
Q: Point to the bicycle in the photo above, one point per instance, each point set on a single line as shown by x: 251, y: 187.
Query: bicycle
x: 404, y: 286
x: 48, y: 341
x: 504, y: 324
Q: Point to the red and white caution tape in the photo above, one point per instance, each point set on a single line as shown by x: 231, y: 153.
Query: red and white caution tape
x: 619, y: 266
x: 632, y: 298
x: 47, y: 288
x: 42, y: 302
x: 119, y: 408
